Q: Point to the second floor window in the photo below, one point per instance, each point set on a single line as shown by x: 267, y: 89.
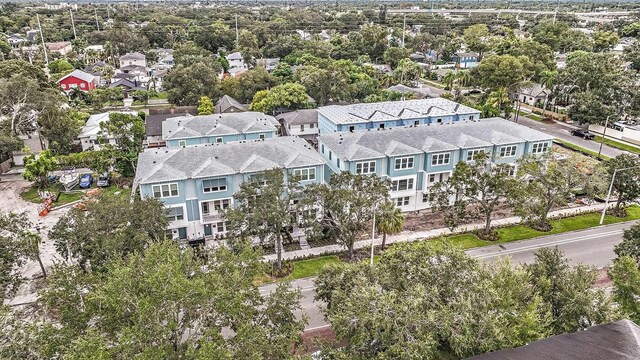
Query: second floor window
x: 401, y: 185
x: 214, y: 185
x: 367, y: 167
x: 473, y: 154
x: 440, y: 159
x: 176, y: 213
x: 539, y: 148
x: 508, y: 151
x: 165, y: 190
x: 404, y: 163
x: 305, y: 174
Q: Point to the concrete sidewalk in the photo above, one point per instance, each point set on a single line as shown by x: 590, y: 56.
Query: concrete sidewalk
x: 409, y: 236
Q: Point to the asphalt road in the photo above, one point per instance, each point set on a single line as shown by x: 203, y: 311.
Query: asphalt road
x: 590, y: 247
x: 563, y: 132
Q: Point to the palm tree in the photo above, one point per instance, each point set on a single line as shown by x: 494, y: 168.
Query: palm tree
x: 448, y: 79
x: 389, y: 221
x: 463, y: 77
x: 548, y: 79
x: 499, y: 99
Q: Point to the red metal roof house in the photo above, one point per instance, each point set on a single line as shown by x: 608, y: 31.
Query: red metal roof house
x: 78, y: 79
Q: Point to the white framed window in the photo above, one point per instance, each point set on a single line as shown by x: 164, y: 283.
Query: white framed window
x: 305, y: 174
x: 440, y: 159
x: 437, y: 177
x: 165, y: 190
x: 402, y: 185
x: 473, y: 154
x: 215, y: 205
x: 221, y: 226
x: 219, y: 140
x: 404, y: 163
x: 510, y: 169
x: 508, y: 151
x: 311, y: 126
x: 261, y: 136
x: 402, y: 201
x: 214, y: 185
x: 540, y: 148
x: 301, y: 127
x: 425, y: 197
x: 175, y: 213
x: 182, y: 143
x: 257, y: 178
x: 366, y: 167
x: 81, y: 85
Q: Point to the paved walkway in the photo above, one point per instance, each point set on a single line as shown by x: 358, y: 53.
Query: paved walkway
x: 410, y: 236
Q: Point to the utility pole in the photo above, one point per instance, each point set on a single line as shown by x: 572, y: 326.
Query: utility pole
x: 73, y: 25
x: 404, y: 27
x: 237, y: 36
x: 44, y: 47
x: 95, y: 11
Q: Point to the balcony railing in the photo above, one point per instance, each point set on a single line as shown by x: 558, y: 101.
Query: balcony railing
x: 212, y: 217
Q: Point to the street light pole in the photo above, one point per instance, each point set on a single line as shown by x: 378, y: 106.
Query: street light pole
x: 604, y: 133
x: 373, y: 232
x: 613, y: 177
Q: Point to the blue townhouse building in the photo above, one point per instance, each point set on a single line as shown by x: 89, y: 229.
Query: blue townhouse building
x: 390, y: 114
x: 197, y: 182
x: 415, y: 158
x: 218, y: 128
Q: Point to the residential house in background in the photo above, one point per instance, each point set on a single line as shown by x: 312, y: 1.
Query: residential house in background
x: 236, y: 61
x: 218, y: 128
x: 269, y: 64
x: 533, y: 95
x: 153, y: 123
x: 624, y: 130
x: 15, y: 40
x: 465, y: 60
x: 196, y: 183
x: 133, y: 58
x: 389, y: 114
x: 61, y: 47
x: 127, y: 86
x: 227, y: 104
x: 92, y: 131
x: 421, y: 92
x: 380, y: 68
x: 78, y: 79
x: 301, y: 123
x: 414, y: 159
x: 236, y: 71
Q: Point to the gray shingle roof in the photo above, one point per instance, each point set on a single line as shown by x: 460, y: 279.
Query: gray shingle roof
x: 226, y: 102
x: 304, y: 116
x: 80, y: 75
x: 217, y: 124
x: 132, y: 56
x: 393, y: 110
x: 172, y: 164
x: 398, y: 141
x: 614, y: 341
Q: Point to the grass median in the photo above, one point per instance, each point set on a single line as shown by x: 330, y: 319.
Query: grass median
x: 575, y: 147
x: 312, y: 267
x: 618, y: 145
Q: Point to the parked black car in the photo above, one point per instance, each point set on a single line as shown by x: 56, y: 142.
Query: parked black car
x: 585, y: 134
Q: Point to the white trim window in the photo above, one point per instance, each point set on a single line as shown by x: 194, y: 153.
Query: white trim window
x: 402, y: 185
x: 165, y: 190
x: 402, y: 201
x: 306, y: 174
x: 217, y: 205
x: 434, y: 178
x: 540, y: 148
x: 219, y: 140
x: 508, y: 151
x: 404, y: 163
x: 182, y: 143
x: 473, y: 154
x: 175, y: 213
x: 214, y: 185
x: 440, y: 159
x: 366, y: 167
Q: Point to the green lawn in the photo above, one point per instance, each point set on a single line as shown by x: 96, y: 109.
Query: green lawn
x: 530, y: 115
x: 31, y: 195
x: 618, y: 145
x: 312, y: 267
x: 581, y: 149
x: 161, y: 95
